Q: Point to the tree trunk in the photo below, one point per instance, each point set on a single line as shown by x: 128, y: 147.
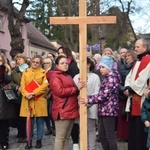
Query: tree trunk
x: 14, y: 26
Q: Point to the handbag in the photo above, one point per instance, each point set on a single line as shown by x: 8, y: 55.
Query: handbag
x: 9, y: 93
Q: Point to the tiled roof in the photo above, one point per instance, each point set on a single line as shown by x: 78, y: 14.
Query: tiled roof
x: 37, y: 38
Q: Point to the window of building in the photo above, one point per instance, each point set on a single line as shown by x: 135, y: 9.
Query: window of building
x: 1, y: 23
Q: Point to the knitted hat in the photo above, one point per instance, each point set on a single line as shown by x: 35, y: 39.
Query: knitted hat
x: 107, y: 62
x: 107, y: 49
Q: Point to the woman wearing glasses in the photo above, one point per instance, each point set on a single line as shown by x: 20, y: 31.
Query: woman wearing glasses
x: 34, y: 99
x: 47, y: 65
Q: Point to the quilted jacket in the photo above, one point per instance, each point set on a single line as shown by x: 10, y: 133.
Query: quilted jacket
x: 107, y: 98
x: 64, y: 92
x: 145, y: 113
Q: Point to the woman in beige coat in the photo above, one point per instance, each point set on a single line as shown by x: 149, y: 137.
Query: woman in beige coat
x: 35, y: 99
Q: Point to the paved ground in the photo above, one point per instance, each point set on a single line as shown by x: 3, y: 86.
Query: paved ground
x: 48, y: 143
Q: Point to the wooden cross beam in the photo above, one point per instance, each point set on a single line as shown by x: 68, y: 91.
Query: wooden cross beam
x: 82, y: 20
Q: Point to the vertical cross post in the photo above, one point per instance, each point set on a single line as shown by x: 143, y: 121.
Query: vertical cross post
x: 83, y: 75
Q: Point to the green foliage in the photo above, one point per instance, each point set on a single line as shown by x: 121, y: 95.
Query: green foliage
x: 119, y: 34
x: 116, y: 35
x: 40, y: 12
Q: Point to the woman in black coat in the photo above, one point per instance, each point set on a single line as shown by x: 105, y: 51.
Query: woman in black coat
x: 124, y: 68
x: 7, y: 110
x: 73, y: 68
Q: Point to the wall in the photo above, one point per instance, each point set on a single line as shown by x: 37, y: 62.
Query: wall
x: 5, y: 36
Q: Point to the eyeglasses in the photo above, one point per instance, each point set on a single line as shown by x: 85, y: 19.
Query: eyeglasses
x: 46, y: 63
x: 35, y: 62
x: 50, y: 56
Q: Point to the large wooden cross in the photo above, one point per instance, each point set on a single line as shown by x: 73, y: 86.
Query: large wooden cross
x: 82, y: 20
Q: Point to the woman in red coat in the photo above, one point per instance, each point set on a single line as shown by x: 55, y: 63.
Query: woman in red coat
x: 65, y: 103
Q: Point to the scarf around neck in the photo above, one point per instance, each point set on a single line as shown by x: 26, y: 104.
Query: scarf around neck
x: 23, y: 67
x: 143, y: 54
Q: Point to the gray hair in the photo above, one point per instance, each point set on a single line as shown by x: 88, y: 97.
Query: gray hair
x: 145, y: 43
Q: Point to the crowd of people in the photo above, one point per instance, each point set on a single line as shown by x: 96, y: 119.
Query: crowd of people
x: 118, y: 94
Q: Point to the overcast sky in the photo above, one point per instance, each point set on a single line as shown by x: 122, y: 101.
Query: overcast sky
x: 141, y: 20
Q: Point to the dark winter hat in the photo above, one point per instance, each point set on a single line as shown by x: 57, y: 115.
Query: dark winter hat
x: 107, y: 62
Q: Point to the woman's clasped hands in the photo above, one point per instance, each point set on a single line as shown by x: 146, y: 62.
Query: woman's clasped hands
x: 30, y: 96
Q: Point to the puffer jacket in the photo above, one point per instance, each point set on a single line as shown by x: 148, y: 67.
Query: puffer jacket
x: 145, y: 112
x: 107, y: 98
x: 64, y: 92
x: 7, y: 110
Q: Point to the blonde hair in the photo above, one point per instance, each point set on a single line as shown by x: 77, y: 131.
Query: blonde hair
x: 20, y: 55
x: 47, y: 59
x: 4, y: 62
x: 132, y: 53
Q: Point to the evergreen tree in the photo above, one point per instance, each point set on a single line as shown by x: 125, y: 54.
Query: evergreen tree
x: 41, y: 10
